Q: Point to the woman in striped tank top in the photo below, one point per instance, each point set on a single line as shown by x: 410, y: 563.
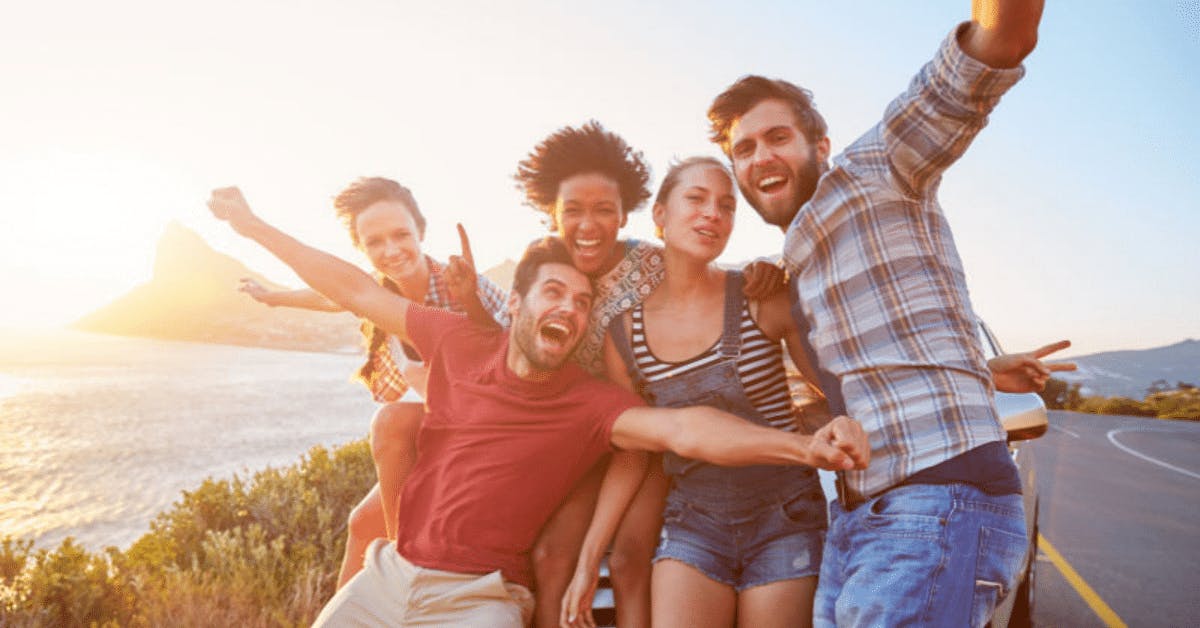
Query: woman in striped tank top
x: 737, y: 544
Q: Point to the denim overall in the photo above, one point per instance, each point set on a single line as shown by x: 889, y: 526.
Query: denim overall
x: 742, y: 526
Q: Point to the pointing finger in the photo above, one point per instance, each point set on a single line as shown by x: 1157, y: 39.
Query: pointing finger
x: 1062, y: 366
x: 466, y: 246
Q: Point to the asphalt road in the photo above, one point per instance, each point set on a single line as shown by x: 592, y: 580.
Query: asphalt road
x: 1120, y: 501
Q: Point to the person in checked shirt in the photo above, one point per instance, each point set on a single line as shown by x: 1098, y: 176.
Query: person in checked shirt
x: 933, y: 532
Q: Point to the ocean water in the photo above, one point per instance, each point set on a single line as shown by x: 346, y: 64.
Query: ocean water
x: 98, y: 434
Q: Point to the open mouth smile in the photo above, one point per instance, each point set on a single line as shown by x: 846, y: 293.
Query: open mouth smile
x: 771, y: 184
x: 557, y: 332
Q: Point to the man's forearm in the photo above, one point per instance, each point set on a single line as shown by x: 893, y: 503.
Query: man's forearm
x: 708, y: 434
x: 721, y: 438
x: 1002, y: 32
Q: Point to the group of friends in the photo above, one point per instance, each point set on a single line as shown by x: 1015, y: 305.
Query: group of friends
x: 631, y: 398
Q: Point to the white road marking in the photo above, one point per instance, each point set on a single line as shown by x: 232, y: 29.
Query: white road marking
x: 1112, y: 438
x: 1064, y: 430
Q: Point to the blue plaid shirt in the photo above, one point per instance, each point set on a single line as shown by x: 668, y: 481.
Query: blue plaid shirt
x: 879, y: 286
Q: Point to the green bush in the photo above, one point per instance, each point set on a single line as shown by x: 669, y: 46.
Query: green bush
x: 1125, y: 407
x: 1183, y: 403
x: 230, y: 553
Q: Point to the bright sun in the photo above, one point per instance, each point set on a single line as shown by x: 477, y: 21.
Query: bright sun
x: 78, y: 229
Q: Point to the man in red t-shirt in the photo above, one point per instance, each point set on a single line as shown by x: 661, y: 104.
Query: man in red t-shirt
x: 510, y: 427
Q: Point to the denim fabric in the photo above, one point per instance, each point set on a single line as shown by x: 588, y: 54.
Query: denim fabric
x: 767, y: 542
x: 743, y: 526
x: 920, y: 555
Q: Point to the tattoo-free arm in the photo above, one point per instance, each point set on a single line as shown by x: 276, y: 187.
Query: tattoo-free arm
x: 625, y: 473
x: 340, y: 281
x: 711, y: 435
x: 304, y: 299
x: 1002, y: 32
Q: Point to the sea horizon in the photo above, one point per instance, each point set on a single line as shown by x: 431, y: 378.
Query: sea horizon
x: 99, y: 434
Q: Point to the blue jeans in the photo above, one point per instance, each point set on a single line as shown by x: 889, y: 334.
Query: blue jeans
x: 920, y: 555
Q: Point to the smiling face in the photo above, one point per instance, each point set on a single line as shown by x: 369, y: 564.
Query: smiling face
x: 588, y: 213
x: 549, y: 321
x: 697, y: 216
x: 391, y: 239
x: 777, y: 168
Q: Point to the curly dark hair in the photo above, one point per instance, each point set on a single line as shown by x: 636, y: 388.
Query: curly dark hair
x: 366, y: 191
x: 747, y: 92
x: 580, y: 150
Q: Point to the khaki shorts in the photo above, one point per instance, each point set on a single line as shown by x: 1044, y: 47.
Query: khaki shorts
x: 390, y: 591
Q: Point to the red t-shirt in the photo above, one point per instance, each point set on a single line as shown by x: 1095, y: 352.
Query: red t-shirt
x: 497, y: 454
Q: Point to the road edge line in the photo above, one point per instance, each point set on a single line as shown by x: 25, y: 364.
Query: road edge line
x: 1085, y: 591
x: 1112, y: 438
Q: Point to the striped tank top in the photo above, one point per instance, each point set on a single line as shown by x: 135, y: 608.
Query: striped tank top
x: 760, y: 367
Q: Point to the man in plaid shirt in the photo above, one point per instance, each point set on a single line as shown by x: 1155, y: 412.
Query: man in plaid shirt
x: 879, y: 288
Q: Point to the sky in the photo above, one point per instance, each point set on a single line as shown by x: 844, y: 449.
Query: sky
x: 1076, y: 211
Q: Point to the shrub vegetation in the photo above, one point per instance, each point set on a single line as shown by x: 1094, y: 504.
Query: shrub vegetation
x: 1161, y: 401
x: 263, y: 552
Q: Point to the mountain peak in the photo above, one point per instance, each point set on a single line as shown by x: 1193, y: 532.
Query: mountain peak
x: 193, y: 295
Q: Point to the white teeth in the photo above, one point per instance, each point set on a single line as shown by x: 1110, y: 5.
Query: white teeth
x: 587, y: 242
x: 706, y: 232
x: 558, y: 327
x: 768, y: 181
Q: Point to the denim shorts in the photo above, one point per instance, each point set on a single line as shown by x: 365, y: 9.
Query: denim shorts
x: 777, y: 540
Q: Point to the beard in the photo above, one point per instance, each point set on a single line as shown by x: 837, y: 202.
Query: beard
x: 802, y: 183
x: 525, y: 332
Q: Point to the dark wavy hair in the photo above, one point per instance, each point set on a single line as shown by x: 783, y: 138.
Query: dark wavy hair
x: 747, y: 92
x: 366, y: 191
x: 539, y: 252
x: 582, y: 150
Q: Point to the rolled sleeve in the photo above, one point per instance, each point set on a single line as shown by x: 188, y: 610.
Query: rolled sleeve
x: 930, y: 125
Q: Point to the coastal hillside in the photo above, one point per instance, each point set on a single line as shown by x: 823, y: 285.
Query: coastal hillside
x: 1131, y: 373
x: 193, y: 296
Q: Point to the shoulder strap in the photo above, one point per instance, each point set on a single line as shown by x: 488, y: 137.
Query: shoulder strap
x: 620, y: 339
x: 731, y: 336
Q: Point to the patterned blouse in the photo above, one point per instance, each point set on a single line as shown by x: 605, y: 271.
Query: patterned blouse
x: 617, y: 291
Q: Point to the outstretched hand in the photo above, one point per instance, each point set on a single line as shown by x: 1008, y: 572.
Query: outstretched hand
x: 839, y: 445
x: 229, y: 205
x: 254, y: 289
x: 1025, y: 372
x: 576, y: 611
x: 460, y: 275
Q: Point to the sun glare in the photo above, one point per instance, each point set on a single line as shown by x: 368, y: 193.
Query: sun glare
x: 77, y: 230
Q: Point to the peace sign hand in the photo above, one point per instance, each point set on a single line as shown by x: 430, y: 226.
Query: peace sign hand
x: 1025, y: 372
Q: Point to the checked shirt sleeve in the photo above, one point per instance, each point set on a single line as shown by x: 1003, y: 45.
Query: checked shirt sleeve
x: 930, y: 125
x: 494, y: 300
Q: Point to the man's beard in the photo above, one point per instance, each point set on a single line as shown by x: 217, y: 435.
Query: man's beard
x: 525, y: 332
x: 804, y: 184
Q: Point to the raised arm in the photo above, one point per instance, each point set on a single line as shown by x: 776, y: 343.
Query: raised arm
x: 1002, y: 32
x: 340, y: 281
x: 929, y: 127
x: 303, y: 299
x: 465, y: 283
